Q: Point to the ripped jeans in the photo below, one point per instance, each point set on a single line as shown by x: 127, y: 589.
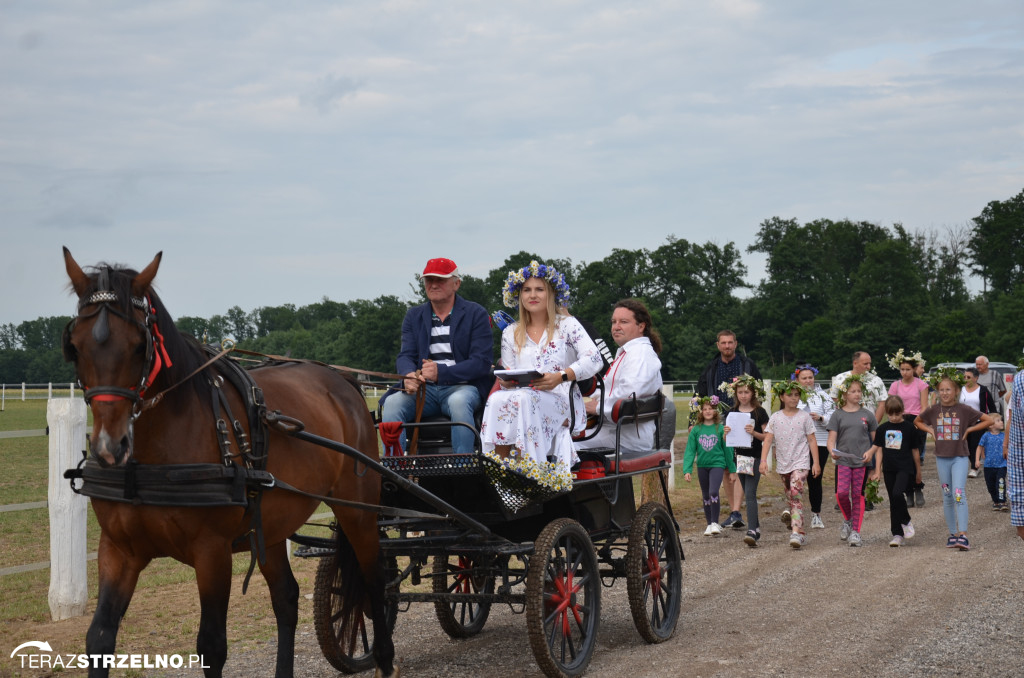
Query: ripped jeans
x: 953, y: 481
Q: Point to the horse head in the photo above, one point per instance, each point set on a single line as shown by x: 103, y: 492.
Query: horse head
x: 114, y: 344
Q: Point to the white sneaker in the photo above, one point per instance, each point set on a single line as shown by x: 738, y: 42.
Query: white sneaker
x: 908, y: 531
x: 845, y: 530
x: 787, y: 518
x: 897, y: 541
x: 972, y: 473
x: 854, y: 539
x: 716, y: 529
x: 816, y: 522
x: 708, y: 532
x: 797, y: 540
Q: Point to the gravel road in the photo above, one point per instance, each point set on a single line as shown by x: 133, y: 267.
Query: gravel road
x: 825, y: 610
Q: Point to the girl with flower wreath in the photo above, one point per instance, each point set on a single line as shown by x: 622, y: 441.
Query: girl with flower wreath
x: 914, y: 392
x: 747, y: 393
x: 851, y: 429
x: 796, y: 453
x: 820, y: 407
x: 950, y: 422
x: 706, y: 445
x: 528, y: 427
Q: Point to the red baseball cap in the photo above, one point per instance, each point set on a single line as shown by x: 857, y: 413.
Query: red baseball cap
x: 442, y: 268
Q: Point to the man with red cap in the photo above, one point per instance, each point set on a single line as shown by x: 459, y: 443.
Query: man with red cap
x: 447, y: 345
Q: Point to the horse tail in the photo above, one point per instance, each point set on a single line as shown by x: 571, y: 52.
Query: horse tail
x: 353, y: 583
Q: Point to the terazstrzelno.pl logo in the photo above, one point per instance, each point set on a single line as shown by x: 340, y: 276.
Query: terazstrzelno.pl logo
x: 36, y: 654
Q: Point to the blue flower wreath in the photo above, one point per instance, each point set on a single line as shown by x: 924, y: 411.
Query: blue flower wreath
x: 514, y: 284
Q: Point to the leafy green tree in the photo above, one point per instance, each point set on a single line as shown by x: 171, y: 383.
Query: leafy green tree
x: 272, y: 318
x: 997, y: 244
x: 42, y: 333
x: 1005, y: 335
x: 954, y: 336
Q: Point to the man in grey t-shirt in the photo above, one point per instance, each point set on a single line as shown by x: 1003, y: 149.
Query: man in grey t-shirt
x: 993, y: 381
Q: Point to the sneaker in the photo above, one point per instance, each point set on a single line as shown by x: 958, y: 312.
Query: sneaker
x: 919, y: 498
x: 1004, y: 507
x: 961, y: 543
x: 908, y: 531
x: 910, y: 500
x: 708, y: 532
x: 845, y: 530
x: 897, y: 541
x: 738, y: 524
x: 973, y: 473
x: 731, y: 519
x: 951, y: 542
x: 716, y: 529
x: 787, y: 518
x: 996, y: 507
x: 797, y: 540
x: 751, y: 538
x: 854, y: 539
x: 816, y: 522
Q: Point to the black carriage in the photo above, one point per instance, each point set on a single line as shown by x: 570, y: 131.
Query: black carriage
x: 481, y: 536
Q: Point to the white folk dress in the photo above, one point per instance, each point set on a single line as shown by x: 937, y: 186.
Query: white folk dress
x: 534, y: 422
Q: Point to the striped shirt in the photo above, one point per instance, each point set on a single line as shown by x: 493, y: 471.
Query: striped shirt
x: 440, y: 349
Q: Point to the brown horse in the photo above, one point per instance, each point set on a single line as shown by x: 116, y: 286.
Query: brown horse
x: 125, y: 347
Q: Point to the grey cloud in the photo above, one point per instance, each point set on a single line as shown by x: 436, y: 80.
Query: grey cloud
x: 329, y: 90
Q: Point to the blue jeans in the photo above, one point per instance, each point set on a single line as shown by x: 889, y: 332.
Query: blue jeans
x: 457, y: 402
x: 953, y: 480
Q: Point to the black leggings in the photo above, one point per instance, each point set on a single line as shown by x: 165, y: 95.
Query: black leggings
x: 749, y: 484
x: 814, y: 484
x: 710, y: 483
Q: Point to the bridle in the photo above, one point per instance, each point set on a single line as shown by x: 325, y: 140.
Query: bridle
x: 105, y: 301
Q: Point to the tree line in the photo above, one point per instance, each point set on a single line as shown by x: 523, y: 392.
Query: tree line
x: 831, y: 288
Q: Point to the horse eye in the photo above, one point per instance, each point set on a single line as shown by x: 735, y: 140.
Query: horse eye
x: 140, y: 349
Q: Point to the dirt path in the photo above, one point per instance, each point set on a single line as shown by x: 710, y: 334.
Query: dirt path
x: 825, y: 610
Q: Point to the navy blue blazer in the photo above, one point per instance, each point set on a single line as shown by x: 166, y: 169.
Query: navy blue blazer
x: 470, y: 336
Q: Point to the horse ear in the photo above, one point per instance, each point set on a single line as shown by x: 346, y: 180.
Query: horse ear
x: 145, y: 279
x: 79, y: 280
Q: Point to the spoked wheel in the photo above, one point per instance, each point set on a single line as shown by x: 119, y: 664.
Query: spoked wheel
x: 654, y: 573
x: 563, y: 599
x: 347, y: 646
x: 455, y: 575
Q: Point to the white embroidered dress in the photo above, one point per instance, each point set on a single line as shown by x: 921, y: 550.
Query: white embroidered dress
x: 534, y: 421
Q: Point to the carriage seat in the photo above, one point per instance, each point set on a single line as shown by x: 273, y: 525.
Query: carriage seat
x: 625, y: 412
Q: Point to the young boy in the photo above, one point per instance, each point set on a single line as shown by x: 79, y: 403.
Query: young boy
x: 991, y: 446
x: 894, y: 450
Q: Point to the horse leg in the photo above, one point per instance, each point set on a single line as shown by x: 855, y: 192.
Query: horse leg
x: 213, y: 576
x: 284, y: 595
x: 118, y: 575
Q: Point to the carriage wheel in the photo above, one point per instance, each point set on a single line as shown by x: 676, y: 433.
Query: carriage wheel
x: 563, y: 599
x: 455, y: 575
x: 654, y: 573
x: 350, y: 651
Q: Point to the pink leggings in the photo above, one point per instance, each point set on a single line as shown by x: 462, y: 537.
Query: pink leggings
x: 848, y: 494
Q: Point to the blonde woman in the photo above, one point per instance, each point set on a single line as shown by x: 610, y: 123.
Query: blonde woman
x: 532, y: 423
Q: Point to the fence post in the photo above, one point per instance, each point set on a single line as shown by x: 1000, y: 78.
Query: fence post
x: 71, y: 389
x: 68, y: 582
x: 669, y: 392
x: 49, y: 390
x: 3, y: 397
x: 22, y: 391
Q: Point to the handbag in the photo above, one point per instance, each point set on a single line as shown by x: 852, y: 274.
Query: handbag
x: 745, y: 464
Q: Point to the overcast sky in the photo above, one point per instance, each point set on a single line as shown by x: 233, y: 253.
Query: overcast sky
x: 283, y: 152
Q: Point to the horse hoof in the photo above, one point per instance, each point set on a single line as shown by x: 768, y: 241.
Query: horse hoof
x: 394, y: 673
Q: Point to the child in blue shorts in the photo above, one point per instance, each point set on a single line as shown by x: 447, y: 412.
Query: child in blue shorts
x: 991, y: 448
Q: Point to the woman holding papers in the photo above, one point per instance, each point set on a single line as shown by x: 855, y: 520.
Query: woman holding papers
x: 529, y: 427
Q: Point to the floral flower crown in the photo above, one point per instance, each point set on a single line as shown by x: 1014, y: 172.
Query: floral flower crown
x: 845, y: 386
x: 697, y: 403
x: 801, y: 367
x: 781, y: 387
x: 514, y: 284
x: 900, y: 357
x: 947, y: 372
x: 755, y: 385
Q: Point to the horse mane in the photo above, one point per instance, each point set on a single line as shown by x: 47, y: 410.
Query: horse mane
x: 185, y: 351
